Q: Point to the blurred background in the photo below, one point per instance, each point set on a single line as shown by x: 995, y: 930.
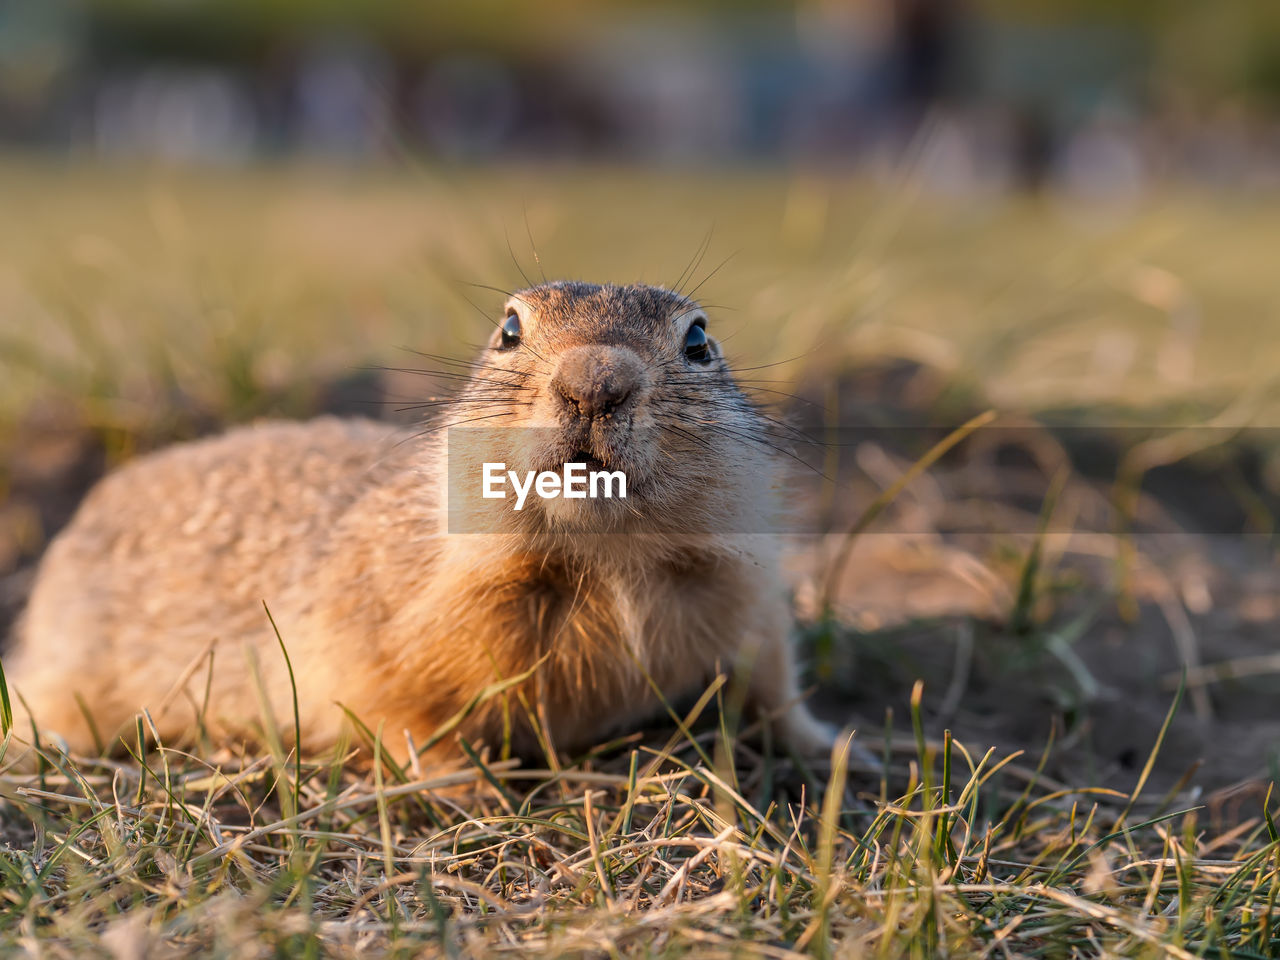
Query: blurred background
x: 900, y: 213
x: 1066, y: 201
x: 1099, y: 97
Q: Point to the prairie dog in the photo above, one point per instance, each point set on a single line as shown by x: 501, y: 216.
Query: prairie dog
x: 345, y: 528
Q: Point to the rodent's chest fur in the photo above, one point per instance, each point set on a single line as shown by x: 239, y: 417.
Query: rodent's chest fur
x: 603, y: 626
x: 602, y: 638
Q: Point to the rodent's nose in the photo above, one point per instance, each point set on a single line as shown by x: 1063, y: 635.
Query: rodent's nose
x: 596, y: 381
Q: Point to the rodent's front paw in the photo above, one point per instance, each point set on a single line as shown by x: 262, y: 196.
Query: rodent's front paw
x: 811, y: 737
x: 807, y: 735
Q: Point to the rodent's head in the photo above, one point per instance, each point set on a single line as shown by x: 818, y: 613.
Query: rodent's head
x: 618, y: 378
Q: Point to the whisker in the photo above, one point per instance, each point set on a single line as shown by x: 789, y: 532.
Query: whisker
x: 754, y: 389
x: 745, y: 406
x: 461, y: 402
x: 776, y: 363
x: 511, y: 250
x: 694, y: 262
x: 690, y: 434
x: 436, y: 428
x: 454, y: 361
x: 458, y: 387
x: 497, y: 324
x: 748, y: 436
x: 513, y: 294
x: 717, y: 269
x: 459, y: 377
x: 533, y: 246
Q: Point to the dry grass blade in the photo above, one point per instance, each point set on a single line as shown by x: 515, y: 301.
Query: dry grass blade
x: 868, y: 516
x: 560, y: 859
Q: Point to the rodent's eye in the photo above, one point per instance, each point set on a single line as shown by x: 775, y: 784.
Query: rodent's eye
x: 696, y: 346
x: 510, y: 331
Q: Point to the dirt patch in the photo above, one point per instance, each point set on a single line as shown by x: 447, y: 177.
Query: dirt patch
x: 1091, y: 639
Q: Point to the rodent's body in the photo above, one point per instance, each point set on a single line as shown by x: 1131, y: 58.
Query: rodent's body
x: 339, y: 526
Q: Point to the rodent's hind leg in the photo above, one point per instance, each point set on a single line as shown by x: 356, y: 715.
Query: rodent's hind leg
x: 45, y: 733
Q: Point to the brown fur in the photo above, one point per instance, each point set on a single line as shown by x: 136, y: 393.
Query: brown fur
x: 345, y: 529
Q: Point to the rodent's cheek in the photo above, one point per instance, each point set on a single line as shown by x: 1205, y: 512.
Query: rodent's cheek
x: 521, y: 448
x: 634, y: 449
x: 545, y: 413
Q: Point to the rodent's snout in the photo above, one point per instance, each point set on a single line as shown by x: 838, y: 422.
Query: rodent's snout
x: 595, y: 382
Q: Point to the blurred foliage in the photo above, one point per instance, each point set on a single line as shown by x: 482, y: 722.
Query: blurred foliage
x: 1150, y: 12
x: 1202, y: 50
x: 418, y: 27
x: 1224, y: 49
x: 228, y: 287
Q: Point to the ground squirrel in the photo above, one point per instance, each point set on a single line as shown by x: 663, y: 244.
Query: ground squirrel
x: 400, y: 599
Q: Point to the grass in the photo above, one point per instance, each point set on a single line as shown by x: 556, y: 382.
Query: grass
x: 149, y: 307
x: 642, y: 849
x: 136, y: 296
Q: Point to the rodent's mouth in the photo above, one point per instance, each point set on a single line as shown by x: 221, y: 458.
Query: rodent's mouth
x: 613, y: 449
x: 586, y: 457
